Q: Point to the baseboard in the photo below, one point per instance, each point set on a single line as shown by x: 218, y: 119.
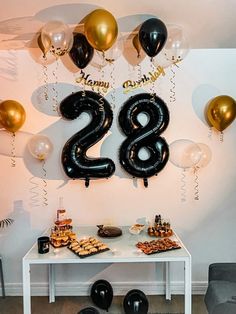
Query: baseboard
x: 119, y: 288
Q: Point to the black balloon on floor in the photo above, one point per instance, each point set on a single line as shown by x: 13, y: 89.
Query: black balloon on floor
x: 102, y: 294
x: 89, y: 310
x: 135, y: 302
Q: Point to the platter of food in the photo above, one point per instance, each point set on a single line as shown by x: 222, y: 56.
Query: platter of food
x: 87, y: 247
x: 157, y: 246
x: 136, y: 228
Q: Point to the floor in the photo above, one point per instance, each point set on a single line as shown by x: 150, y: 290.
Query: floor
x: 72, y: 305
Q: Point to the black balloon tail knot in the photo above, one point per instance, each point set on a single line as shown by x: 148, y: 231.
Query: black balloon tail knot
x: 87, y: 181
x: 145, y: 182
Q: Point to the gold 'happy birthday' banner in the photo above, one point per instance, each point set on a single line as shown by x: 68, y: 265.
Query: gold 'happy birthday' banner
x: 95, y: 85
x: 129, y: 85
x: 144, y: 80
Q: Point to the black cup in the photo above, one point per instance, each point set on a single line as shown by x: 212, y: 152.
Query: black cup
x: 43, y: 245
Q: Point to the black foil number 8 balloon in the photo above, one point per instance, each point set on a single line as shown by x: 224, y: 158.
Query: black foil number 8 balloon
x: 147, y: 136
x: 76, y: 164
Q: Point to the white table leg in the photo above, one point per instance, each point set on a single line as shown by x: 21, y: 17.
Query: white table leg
x: 167, y: 274
x: 187, y: 286
x: 51, y: 271
x: 26, y: 288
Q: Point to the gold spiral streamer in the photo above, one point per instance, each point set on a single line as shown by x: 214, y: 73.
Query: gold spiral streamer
x: 83, y: 92
x: 34, y: 199
x: 210, y: 132
x: 13, y: 150
x: 172, y: 88
x: 54, y: 88
x: 45, y: 193
x: 113, y: 90
x: 221, y: 137
x: 152, y: 88
x: 196, y: 184
x: 183, y: 185
x: 101, y: 72
x: 45, y: 78
x: 139, y: 71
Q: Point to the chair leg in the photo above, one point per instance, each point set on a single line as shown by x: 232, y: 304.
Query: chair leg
x: 2, y: 279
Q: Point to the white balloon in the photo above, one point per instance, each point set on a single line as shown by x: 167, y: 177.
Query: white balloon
x: 56, y: 37
x: 176, y: 47
x: 113, y: 53
x: 40, y: 146
x: 185, y: 153
x: 206, y: 155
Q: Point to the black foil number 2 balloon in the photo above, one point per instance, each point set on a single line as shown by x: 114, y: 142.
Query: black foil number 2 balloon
x: 147, y: 136
x: 76, y: 164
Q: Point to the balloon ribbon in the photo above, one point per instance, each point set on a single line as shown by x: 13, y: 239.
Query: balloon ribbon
x: 45, y: 200
x: 196, y: 186
x: 13, y: 150
x: 54, y: 87
x: 183, y: 185
x: 34, y: 201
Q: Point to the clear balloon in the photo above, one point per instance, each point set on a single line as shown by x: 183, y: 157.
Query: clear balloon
x: 177, y: 46
x: 101, y: 29
x: 113, y: 53
x: 185, y: 153
x: 56, y: 37
x: 205, y: 156
x: 40, y: 146
x: 162, y: 60
x: 12, y: 115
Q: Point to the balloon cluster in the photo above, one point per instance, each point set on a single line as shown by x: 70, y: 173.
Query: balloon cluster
x: 135, y: 301
x: 187, y: 154
x: 101, y: 34
x: 100, y: 30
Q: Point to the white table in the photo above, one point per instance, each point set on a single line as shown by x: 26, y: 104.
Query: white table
x: 127, y: 254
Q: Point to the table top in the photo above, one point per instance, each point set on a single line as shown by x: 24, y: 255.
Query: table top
x: 122, y: 250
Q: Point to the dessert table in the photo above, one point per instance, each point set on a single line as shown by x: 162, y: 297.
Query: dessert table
x: 122, y: 250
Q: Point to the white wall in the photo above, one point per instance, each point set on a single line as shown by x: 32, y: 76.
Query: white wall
x: 206, y: 226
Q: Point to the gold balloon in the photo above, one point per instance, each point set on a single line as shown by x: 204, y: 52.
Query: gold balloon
x: 41, y: 46
x: 101, y: 29
x: 12, y: 115
x: 221, y: 112
x: 136, y: 44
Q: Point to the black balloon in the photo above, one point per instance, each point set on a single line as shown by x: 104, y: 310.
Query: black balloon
x: 89, y: 310
x: 102, y: 294
x: 81, y: 52
x: 147, y: 136
x: 76, y: 164
x: 135, y: 302
x: 152, y: 36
